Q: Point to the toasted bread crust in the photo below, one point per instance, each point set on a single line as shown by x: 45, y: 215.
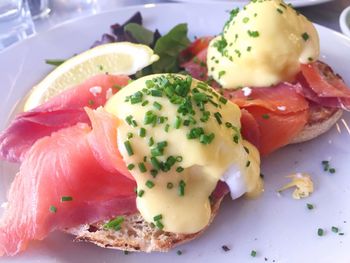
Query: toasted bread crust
x: 320, y: 120
x: 136, y: 234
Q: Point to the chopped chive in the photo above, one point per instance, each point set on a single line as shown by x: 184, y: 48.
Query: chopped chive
x: 130, y: 135
x: 145, y: 103
x: 167, y: 127
x: 246, y: 150
x: 247, y: 164
x: 115, y: 223
x: 160, y: 119
x: 179, y: 252
x: 53, y: 209
x: 140, y: 193
x: 149, y: 84
x: 223, y: 100
x: 253, y: 33
x: 182, y: 185
x: 66, y: 198
x: 157, y: 105
x: 131, y: 166
x: 136, y: 97
x: 310, y: 206
x: 341, y: 234
x: 335, y: 229
x: 186, y: 122
x: 332, y: 170
x: 150, y: 141
x: 126, y: 252
x: 228, y: 124
x: 179, y: 169
x: 279, y: 11
x: 178, y: 121
x: 128, y: 119
x: 235, y: 138
x: 265, y: 116
x: 305, y: 36
x: 149, y: 184
x: 179, y: 158
x: 154, y: 173
x: 155, y: 163
x: 225, y: 248
x: 195, y: 133
x: 171, y: 160
x: 149, y: 118
x: 156, y: 152
x: 169, y: 185
x: 159, y: 225
x: 320, y: 232
x: 54, y: 62
x: 158, y: 217
x: 91, y: 102
x: 128, y: 148
x: 253, y: 253
x: 218, y: 117
x: 142, y: 167
x: 142, y: 132
x: 222, y: 73
x: 156, y: 93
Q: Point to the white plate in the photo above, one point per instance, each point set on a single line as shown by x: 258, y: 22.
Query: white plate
x: 344, y: 21
x: 278, y: 228
x: 295, y: 3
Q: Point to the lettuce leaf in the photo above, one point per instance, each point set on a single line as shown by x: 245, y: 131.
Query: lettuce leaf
x: 168, y: 48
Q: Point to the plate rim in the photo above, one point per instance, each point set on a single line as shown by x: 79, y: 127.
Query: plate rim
x: 222, y: 4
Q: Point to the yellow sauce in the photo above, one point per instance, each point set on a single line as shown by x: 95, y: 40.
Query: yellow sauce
x: 203, y: 164
x: 302, y: 183
x: 262, y: 45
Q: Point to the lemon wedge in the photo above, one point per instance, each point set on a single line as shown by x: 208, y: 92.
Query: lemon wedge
x: 123, y: 58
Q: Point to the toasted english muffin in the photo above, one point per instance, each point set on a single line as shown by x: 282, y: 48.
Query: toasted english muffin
x: 136, y: 234
x: 320, y: 120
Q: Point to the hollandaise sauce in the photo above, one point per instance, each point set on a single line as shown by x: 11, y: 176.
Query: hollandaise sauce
x: 179, y: 137
x: 262, y: 45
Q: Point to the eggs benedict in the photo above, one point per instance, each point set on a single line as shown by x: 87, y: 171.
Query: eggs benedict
x: 178, y: 138
x: 261, y: 45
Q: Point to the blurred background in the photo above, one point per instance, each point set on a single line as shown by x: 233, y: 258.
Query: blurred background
x: 20, y: 19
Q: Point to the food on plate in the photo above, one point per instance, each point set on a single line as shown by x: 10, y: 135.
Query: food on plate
x: 303, y: 185
x: 266, y: 61
x: 115, y: 58
x: 262, y: 45
x: 128, y: 159
x: 175, y: 136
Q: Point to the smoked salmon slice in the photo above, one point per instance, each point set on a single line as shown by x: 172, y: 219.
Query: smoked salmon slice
x: 323, y: 81
x: 103, y: 141
x: 282, y: 98
x: 60, y: 184
x: 64, y: 110
x: 250, y: 128
x: 277, y: 130
x: 311, y: 86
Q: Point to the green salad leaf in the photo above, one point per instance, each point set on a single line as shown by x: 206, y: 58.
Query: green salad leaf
x: 168, y: 47
x: 139, y: 33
